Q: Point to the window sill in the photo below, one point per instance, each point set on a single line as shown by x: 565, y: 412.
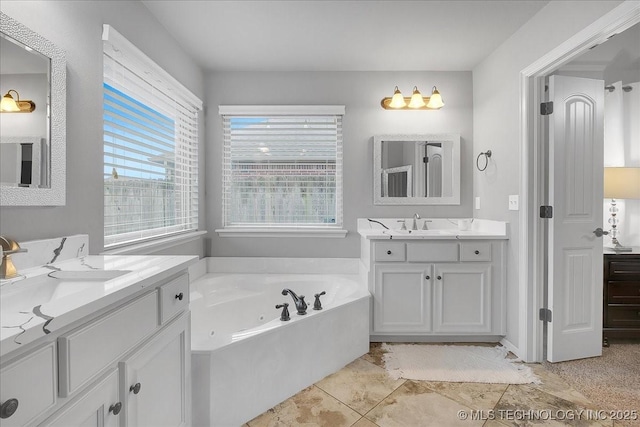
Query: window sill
x: 282, y: 232
x: 154, y: 245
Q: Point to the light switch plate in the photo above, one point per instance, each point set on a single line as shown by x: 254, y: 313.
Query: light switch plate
x: 514, y: 203
x: 477, y: 202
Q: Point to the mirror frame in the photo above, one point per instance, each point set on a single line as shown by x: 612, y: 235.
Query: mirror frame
x: 377, y: 170
x: 55, y: 194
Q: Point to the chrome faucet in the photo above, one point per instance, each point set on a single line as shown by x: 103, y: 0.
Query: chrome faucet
x: 416, y: 217
x: 301, y: 306
x: 9, y: 247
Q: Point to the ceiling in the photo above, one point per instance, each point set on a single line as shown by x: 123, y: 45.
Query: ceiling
x: 341, y: 35
x: 621, y: 51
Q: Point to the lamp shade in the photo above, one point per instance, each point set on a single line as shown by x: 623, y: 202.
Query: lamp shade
x: 622, y: 183
x: 417, y: 101
x: 435, y: 101
x: 397, y: 101
x: 9, y: 104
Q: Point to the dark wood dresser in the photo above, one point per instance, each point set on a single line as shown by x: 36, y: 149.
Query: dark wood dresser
x: 621, y: 295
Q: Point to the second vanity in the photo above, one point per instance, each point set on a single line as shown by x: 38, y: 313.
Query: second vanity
x: 97, y: 340
x: 440, y: 284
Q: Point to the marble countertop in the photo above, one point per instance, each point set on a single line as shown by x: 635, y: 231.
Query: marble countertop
x: 438, y: 229
x: 50, y: 297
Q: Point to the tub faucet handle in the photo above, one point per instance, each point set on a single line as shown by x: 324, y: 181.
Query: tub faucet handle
x: 317, y: 305
x: 285, y: 311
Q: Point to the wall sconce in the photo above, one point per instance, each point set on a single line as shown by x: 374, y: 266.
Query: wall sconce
x: 415, y: 102
x: 10, y: 105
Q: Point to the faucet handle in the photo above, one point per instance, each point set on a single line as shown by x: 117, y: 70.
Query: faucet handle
x: 317, y: 305
x: 424, y: 224
x: 404, y: 224
x: 285, y: 311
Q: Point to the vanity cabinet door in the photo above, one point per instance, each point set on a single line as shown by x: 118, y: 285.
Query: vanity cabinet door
x: 99, y: 407
x: 402, y: 298
x: 28, y: 387
x: 462, y: 298
x: 153, y: 380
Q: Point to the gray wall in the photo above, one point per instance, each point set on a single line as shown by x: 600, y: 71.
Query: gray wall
x: 496, y: 95
x: 361, y: 93
x: 76, y: 27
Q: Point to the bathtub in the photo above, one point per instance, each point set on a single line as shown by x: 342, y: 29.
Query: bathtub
x: 245, y: 360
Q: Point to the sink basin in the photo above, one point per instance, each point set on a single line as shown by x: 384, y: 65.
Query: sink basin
x: 90, y: 275
x: 24, y: 295
x: 419, y: 233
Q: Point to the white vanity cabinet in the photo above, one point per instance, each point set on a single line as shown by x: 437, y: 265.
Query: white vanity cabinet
x: 153, y: 380
x: 450, y: 289
x: 126, y: 365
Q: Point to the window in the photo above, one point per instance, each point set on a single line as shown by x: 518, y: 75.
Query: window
x: 282, y: 167
x: 150, y: 148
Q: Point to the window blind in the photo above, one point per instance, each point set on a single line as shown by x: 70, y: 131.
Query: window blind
x: 282, y: 170
x: 150, y: 147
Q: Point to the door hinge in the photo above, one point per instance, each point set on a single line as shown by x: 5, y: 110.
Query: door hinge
x: 546, y: 211
x: 546, y: 108
x: 545, y: 315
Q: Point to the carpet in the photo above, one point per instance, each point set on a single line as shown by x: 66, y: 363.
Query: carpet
x: 611, y: 382
x: 455, y: 363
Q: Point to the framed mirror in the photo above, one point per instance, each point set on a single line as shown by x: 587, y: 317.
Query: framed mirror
x: 416, y: 169
x: 33, y: 122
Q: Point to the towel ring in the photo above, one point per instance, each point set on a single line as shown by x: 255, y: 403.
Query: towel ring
x: 486, y: 160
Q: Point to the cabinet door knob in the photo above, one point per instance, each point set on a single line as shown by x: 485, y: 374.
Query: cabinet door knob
x: 179, y: 296
x: 8, y: 408
x: 135, y: 388
x: 477, y: 252
x: 439, y: 277
x: 115, y: 408
x: 428, y: 277
x: 388, y: 252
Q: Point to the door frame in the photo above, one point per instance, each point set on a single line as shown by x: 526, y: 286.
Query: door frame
x: 532, y: 248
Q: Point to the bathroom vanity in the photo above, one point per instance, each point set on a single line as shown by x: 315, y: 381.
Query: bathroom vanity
x: 97, y: 340
x: 440, y: 284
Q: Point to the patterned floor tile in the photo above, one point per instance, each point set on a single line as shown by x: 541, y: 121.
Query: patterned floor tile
x: 310, y: 407
x: 360, y: 385
x: 414, y: 404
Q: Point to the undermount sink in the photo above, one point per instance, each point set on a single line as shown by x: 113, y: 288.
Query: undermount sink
x: 23, y: 295
x: 89, y: 275
x: 416, y: 233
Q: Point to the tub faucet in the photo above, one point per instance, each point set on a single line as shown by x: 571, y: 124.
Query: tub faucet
x: 9, y: 247
x: 301, y: 306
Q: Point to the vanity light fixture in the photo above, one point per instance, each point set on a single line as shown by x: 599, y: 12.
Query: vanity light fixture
x: 11, y: 105
x: 415, y: 102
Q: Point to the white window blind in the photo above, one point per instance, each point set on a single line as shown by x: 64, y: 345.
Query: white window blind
x: 284, y: 169
x: 150, y: 147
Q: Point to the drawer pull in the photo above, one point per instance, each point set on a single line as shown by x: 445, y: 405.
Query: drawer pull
x: 388, y: 252
x: 428, y: 277
x: 477, y: 252
x: 439, y: 277
x: 8, y: 408
x: 135, y: 388
x: 179, y: 296
x: 115, y: 408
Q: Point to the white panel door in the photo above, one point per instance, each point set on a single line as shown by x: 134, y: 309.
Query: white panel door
x: 575, y: 191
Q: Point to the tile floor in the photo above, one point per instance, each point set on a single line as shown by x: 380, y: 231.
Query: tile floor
x: 362, y: 395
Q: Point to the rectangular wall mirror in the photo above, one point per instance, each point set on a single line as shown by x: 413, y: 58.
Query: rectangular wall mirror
x: 421, y: 169
x: 33, y: 129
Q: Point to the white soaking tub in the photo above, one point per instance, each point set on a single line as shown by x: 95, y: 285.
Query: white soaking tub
x: 245, y: 360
